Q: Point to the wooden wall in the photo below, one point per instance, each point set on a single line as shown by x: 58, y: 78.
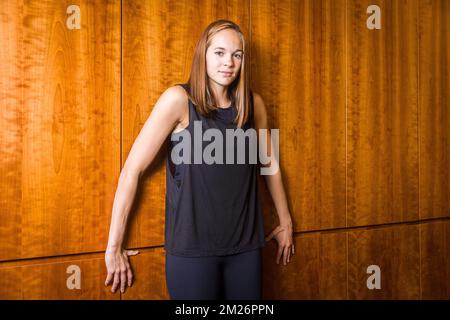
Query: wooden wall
x: 364, y: 120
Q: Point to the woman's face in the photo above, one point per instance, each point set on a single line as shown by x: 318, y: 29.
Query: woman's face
x: 224, y: 57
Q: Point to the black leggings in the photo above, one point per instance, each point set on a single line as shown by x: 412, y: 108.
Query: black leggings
x: 231, y: 277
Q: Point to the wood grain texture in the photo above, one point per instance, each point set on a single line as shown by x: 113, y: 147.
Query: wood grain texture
x: 434, y: 103
x: 318, y: 269
x: 435, y: 260
x: 364, y: 139
x: 396, y: 250
x: 149, y: 276
x: 60, y: 102
x: 159, y: 38
x: 298, y: 50
x: 46, y: 279
x: 382, y: 155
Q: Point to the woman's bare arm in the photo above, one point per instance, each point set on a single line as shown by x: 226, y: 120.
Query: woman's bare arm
x: 283, y: 233
x: 274, y: 181
x: 166, y: 114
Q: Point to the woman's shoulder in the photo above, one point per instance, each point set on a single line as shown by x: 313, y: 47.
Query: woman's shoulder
x: 179, y: 104
x: 177, y: 96
x: 178, y: 91
x: 258, y: 103
x: 256, y: 96
x: 174, y: 100
x: 260, y: 112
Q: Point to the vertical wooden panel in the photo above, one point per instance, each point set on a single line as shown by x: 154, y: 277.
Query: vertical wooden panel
x: 149, y: 276
x: 60, y: 100
x: 318, y: 270
x: 47, y: 279
x: 434, y: 103
x: 382, y: 114
x: 435, y: 260
x: 158, y: 42
x: 299, y: 70
x: 60, y: 139
x: 396, y: 251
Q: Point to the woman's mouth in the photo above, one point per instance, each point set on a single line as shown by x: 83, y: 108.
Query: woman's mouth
x: 226, y: 74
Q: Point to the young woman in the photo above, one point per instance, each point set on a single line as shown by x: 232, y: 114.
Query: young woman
x: 214, y: 229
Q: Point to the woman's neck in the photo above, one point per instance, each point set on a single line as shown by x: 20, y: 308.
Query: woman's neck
x: 221, y: 95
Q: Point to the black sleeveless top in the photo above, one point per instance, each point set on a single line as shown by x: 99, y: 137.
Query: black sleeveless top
x: 212, y: 209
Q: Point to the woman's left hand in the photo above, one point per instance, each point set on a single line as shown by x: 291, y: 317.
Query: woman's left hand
x: 283, y: 234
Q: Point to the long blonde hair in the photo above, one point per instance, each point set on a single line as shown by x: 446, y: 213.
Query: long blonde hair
x: 238, y: 91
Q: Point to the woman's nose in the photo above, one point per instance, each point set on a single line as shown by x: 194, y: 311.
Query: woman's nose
x: 228, y: 61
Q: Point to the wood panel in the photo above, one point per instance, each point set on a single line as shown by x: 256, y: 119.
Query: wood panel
x: 435, y: 260
x: 363, y: 113
x: 318, y: 270
x: 59, y: 143
x: 299, y: 70
x: 47, y: 279
x: 395, y: 250
x: 382, y: 156
x: 159, y: 38
x: 434, y: 103
x: 149, y: 276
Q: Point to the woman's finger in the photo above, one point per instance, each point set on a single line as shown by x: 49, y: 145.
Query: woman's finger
x: 270, y: 236
x: 279, y: 254
x: 109, y: 277
x: 129, y: 273
x: 123, y: 279
x: 273, y: 233
x: 130, y: 277
x: 116, y: 280
x: 285, y: 254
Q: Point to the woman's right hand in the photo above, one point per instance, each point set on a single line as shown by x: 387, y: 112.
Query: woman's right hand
x: 118, y: 267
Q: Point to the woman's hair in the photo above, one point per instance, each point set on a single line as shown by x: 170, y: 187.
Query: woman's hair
x: 238, y: 90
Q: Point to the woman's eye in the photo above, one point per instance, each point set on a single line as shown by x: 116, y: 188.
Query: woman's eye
x: 239, y: 56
